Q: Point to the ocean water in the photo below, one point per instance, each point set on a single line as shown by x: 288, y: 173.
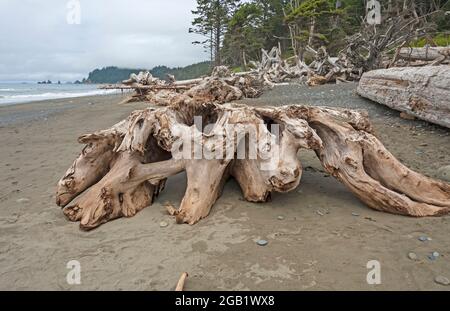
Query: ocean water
x: 12, y: 93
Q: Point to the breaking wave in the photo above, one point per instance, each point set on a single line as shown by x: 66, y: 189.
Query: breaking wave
x: 22, y: 98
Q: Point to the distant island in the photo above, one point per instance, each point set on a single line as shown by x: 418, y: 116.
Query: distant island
x: 114, y: 74
x: 47, y: 82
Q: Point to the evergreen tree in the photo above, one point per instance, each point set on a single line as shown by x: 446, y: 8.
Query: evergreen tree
x: 316, y: 20
x: 244, y: 37
x: 211, y: 21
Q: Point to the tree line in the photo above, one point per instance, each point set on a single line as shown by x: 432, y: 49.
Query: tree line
x: 114, y: 74
x: 234, y: 31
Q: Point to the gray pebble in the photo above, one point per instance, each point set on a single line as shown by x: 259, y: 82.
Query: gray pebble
x: 355, y: 214
x: 412, y: 256
x: 423, y: 238
x: 433, y: 256
x: 442, y: 280
x: 444, y: 173
x: 280, y: 217
x: 163, y: 224
x: 23, y: 200
x: 262, y: 242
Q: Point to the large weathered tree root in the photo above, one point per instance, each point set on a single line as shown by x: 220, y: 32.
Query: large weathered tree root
x: 123, y: 169
x: 362, y: 163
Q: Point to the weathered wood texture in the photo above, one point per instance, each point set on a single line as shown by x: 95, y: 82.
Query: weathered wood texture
x: 425, y: 53
x: 423, y: 92
x: 123, y: 169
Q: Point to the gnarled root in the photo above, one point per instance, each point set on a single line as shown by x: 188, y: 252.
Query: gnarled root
x: 359, y: 160
x: 123, y: 169
x: 128, y: 187
x: 92, y: 164
x: 204, y: 186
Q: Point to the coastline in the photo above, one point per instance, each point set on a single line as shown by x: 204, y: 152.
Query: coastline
x: 40, y: 110
x: 14, y: 93
x: 318, y: 245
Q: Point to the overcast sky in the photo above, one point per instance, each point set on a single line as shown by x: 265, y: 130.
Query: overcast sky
x: 37, y: 42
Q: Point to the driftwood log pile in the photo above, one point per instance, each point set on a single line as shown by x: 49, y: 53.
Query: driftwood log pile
x: 121, y: 170
x: 220, y: 87
x: 422, y: 92
x: 366, y: 50
x: 274, y: 70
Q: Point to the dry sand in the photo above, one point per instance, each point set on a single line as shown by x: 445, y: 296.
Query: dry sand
x: 318, y: 245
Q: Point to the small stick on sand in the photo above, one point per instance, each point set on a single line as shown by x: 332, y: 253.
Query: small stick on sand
x: 171, y: 209
x: 180, y: 284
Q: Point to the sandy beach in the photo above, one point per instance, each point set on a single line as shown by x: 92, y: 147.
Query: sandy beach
x: 322, y: 241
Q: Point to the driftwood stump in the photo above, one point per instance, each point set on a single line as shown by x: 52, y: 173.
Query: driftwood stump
x: 423, y: 92
x: 123, y: 169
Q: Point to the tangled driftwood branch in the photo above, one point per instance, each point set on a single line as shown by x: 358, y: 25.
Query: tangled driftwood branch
x: 273, y: 70
x: 369, y: 48
x: 122, y: 170
x: 222, y: 86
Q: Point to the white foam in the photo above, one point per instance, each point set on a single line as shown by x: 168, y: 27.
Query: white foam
x: 23, y: 98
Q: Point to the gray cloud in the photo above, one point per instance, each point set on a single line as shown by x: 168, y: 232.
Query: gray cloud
x: 37, y: 43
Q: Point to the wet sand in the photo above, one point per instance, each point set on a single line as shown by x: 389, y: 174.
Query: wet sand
x: 318, y: 245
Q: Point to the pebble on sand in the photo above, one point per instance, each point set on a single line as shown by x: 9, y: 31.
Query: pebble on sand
x: 424, y: 238
x: 412, y: 256
x: 280, y: 217
x: 433, y: 256
x: 23, y: 200
x: 442, y: 280
x: 355, y: 214
x: 444, y: 173
x: 262, y: 242
x: 163, y: 224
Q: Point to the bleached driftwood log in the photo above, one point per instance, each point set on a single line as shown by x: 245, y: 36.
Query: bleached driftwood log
x: 123, y: 169
x: 425, y: 53
x: 423, y: 92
